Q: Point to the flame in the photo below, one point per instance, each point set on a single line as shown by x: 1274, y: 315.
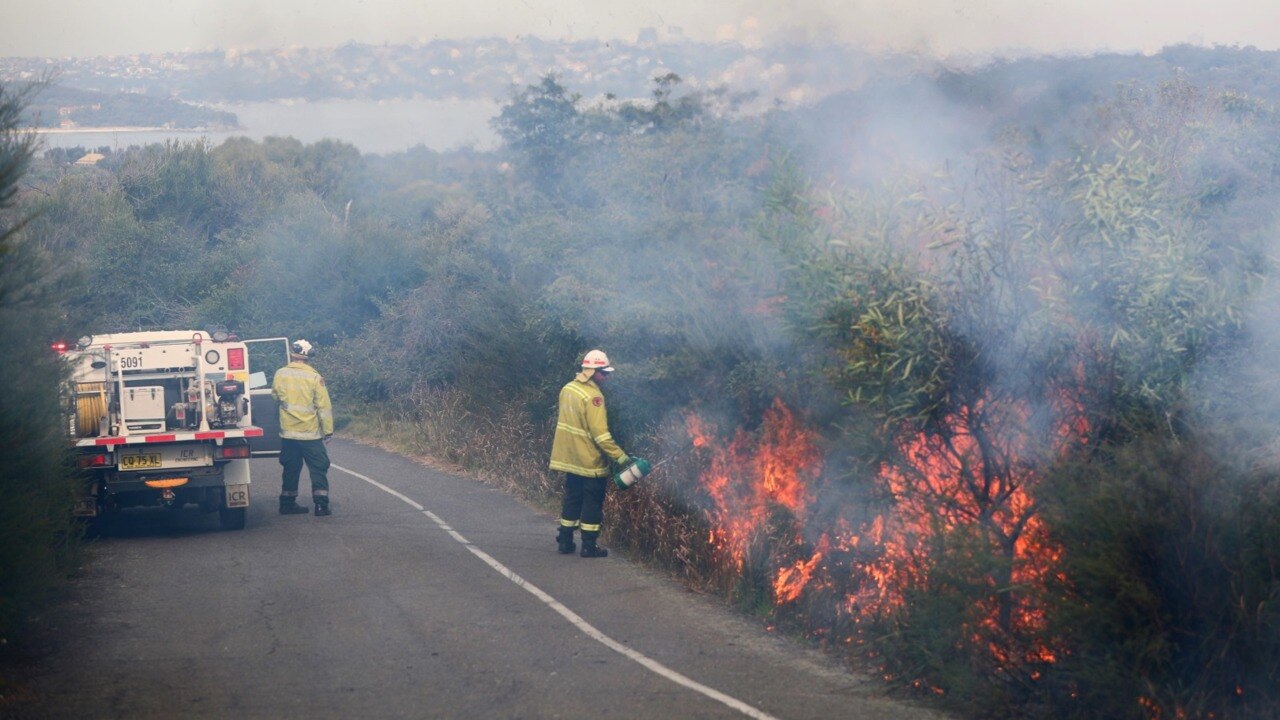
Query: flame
x: 698, y: 431
x: 1154, y: 711
x: 971, y: 473
x: 753, y: 475
x: 787, y: 459
x: 791, y: 580
x: 974, y: 471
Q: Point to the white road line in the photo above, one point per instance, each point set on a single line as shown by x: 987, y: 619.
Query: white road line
x: 587, y: 628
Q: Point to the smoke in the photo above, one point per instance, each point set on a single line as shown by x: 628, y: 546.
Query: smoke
x: 891, y: 130
x: 1129, y: 241
x: 1237, y: 394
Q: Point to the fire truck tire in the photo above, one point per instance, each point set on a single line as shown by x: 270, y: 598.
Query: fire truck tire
x: 232, y: 518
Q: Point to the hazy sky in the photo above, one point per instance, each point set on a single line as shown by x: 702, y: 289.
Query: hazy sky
x: 945, y: 27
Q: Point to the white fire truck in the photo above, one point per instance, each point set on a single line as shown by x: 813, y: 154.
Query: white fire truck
x: 167, y: 418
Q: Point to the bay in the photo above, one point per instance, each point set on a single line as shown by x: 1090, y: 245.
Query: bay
x: 373, y: 126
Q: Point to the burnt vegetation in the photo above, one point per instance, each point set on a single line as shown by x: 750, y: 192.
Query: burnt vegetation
x: 974, y: 389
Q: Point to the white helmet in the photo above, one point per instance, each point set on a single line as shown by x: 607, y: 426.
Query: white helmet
x: 596, y: 360
x: 301, y: 347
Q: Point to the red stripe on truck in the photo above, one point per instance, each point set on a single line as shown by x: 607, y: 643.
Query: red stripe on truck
x: 212, y: 435
x: 253, y: 432
x: 109, y: 441
x: 160, y: 438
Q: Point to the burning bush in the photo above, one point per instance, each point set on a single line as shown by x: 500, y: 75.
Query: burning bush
x: 995, y: 331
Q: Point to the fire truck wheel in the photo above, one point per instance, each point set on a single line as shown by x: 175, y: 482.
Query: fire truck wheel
x: 232, y: 518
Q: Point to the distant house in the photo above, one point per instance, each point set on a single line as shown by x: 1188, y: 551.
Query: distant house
x: 92, y: 158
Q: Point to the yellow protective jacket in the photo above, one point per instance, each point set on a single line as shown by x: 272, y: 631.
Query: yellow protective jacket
x: 305, y: 410
x: 583, y: 445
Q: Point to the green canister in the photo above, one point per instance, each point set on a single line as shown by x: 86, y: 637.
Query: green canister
x: 627, y: 476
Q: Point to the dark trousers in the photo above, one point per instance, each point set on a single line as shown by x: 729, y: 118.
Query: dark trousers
x: 583, y: 505
x: 293, y: 453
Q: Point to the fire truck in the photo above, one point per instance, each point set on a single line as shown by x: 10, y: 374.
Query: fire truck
x: 170, y: 418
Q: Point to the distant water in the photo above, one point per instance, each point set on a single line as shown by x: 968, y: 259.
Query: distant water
x: 372, y: 126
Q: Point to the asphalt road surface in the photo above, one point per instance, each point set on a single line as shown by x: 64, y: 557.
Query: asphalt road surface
x: 425, y: 595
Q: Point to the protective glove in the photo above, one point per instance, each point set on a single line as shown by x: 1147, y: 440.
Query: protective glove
x: 623, y: 461
x: 327, y: 438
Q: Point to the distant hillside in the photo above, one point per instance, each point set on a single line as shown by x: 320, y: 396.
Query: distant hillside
x: 479, y: 68
x: 846, y: 102
x: 930, y: 117
x: 488, y: 68
x: 57, y: 104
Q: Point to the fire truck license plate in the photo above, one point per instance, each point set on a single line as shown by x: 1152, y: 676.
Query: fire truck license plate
x: 141, y: 461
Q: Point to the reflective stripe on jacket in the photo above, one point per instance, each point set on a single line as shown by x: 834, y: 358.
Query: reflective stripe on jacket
x: 583, y: 445
x: 305, y: 410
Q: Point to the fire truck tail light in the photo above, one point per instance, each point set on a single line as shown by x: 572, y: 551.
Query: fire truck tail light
x: 235, y: 358
x: 230, y: 452
x: 88, y: 461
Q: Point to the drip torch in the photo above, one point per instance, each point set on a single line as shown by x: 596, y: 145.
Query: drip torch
x: 639, y: 467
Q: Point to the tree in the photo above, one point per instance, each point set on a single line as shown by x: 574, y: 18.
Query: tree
x: 37, y: 485
x: 543, y: 126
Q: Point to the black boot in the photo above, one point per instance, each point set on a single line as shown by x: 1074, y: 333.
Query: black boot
x: 589, y: 548
x: 289, y: 506
x: 565, y: 540
x: 322, y: 506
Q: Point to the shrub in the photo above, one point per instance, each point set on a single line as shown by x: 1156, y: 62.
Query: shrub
x: 1170, y: 583
x: 37, y: 485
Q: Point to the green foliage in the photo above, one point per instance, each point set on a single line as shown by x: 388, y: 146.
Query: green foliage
x: 37, y: 485
x: 330, y: 168
x: 941, y: 643
x: 174, y: 181
x: 543, y: 126
x: 890, y: 329
x: 1169, y: 290
x: 1170, y: 581
x: 466, y: 325
x: 639, y: 257
x: 184, y: 235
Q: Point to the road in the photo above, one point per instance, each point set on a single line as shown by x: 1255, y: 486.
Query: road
x: 425, y: 595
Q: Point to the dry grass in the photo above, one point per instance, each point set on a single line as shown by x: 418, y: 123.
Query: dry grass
x: 657, y: 520
x: 507, y: 450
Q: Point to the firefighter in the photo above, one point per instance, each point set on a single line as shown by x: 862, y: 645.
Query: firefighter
x: 306, y: 424
x: 581, y: 450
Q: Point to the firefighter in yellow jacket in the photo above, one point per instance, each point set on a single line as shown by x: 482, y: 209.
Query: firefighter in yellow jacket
x: 581, y: 450
x: 306, y: 424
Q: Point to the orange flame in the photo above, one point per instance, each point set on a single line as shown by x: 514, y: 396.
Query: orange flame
x: 750, y: 476
x: 970, y: 471
x: 791, y: 580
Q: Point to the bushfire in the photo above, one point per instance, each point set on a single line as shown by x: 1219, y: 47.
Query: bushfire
x: 753, y: 475
x: 770, y: 509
